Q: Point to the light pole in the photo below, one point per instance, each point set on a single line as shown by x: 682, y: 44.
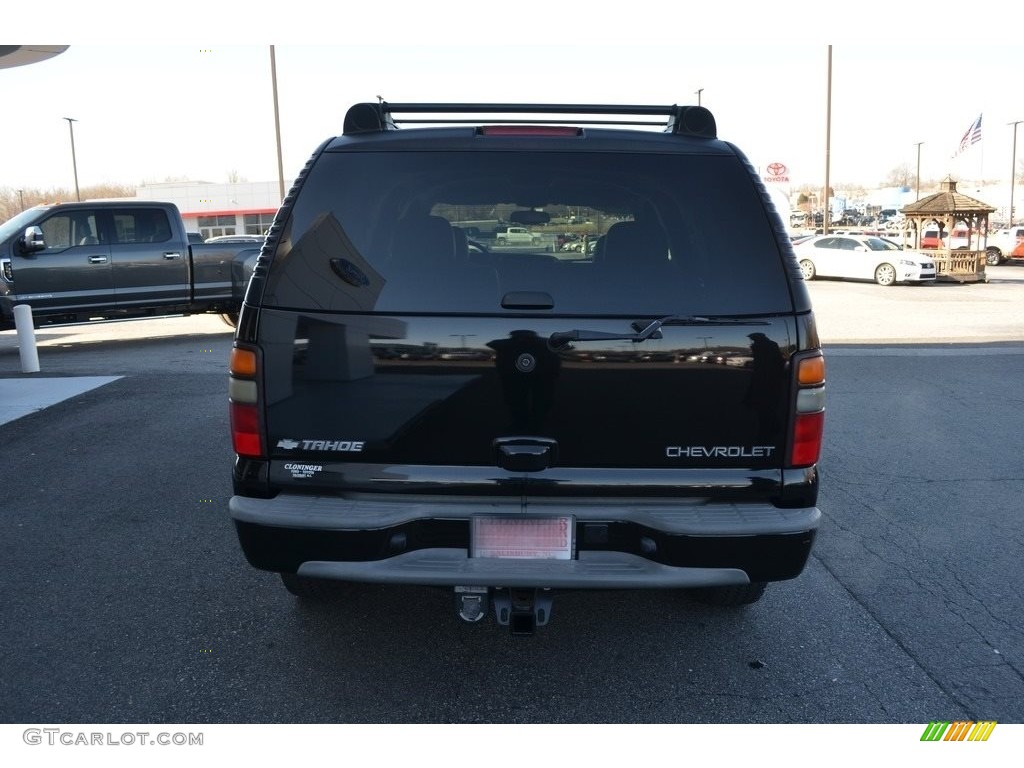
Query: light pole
x: 699, y: 91
x: 277, y: 123
x: 21, y: 199
x: 74, y: 162
x: 918, y: 187
x: 1013, y: 166
x: 828, y: 145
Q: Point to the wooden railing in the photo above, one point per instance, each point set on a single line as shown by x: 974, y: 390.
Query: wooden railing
x: 957, y: 264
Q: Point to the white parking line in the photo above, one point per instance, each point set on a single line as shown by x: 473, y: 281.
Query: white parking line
x: 22, y: 396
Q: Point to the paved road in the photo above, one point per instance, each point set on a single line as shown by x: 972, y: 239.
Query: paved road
x: 126, y: 598
x: 865, y: 313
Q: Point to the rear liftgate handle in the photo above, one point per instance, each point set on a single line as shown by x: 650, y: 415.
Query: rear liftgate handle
x: 525, y: 454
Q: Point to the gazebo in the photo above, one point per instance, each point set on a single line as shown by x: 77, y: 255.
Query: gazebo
x: 950, y: 211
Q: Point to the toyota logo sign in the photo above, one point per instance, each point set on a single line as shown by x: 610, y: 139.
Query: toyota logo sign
x: 777, y: 172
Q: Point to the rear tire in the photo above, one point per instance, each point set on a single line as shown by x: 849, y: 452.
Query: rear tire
x: 728, y: 597
x: 807, y: 269
x: 993, y: 258
x: 231, y: 318
x: 306, y: 588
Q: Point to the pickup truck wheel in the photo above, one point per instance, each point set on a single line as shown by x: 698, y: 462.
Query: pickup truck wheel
x: 993, y: 258
x: 807, y: 269
x: 311, y: 589
x: 885, y: 274
x: 231, y: 318
x: 725, y: 597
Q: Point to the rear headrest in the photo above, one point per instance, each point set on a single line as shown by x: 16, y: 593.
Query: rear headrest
x: 423, y: 240
x: 634, y: 242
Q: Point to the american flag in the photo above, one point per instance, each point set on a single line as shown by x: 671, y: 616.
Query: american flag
x: 971, y: 136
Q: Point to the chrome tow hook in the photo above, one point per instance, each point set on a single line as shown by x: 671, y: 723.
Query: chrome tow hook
x: 472, y: 603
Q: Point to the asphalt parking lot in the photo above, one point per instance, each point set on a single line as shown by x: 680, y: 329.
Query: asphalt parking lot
x: 933, y: 313
x: 129, y: 599
x: 847, y: 313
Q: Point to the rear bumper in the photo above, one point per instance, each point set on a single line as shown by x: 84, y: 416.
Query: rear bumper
x: 617, y: 544
x: 591, y: 570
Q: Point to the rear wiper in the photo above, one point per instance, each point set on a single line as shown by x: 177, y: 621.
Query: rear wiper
x: 643, y: 329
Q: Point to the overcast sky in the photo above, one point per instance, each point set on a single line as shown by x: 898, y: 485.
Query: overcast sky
x: 204, y: 111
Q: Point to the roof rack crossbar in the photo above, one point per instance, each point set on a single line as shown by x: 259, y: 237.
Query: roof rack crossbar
x: 518, y: 121
x: 376, y: 117
x: 592, y: 109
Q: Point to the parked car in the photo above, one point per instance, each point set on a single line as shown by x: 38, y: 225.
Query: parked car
x: 933, y: 237
x: 1005, y: 244
x: 557, y: 438
x: 861, y: 258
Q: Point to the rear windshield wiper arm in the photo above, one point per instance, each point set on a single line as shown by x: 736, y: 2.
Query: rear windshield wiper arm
x: 643, y: 330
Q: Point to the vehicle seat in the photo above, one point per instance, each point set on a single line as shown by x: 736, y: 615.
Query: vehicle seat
x: 631, y: 246
x: 89, y: 240
x: 424, y: 271
x: 461, y: 244
x: 635, y: 260
x: 422, y: 244
x: 161, y: 231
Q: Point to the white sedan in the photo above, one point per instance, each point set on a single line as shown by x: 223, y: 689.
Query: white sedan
x: 860, y: 257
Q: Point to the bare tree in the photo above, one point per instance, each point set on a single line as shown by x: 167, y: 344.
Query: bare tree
x: 14, y: 201
x: 901, y: 176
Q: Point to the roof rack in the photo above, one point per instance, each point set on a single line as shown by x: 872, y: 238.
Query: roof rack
x: 684, y: 120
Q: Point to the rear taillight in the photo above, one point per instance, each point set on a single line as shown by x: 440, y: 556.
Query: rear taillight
x: 809, y: 422
x: 243, y: 401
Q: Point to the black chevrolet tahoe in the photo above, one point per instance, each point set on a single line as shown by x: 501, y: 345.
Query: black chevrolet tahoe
x: 630, y: 397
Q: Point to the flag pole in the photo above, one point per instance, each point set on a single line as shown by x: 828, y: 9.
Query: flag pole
x: 981, y: 156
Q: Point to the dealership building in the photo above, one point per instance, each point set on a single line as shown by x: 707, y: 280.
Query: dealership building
x: 242, y: 208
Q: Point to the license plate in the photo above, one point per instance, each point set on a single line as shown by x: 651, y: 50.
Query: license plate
x: 526, y: 538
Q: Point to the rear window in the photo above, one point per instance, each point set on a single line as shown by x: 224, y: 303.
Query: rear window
x: 141, y: 225
x: 475, y: 232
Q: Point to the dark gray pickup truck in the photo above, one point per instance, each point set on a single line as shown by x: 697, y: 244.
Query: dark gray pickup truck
x: 100, y: 260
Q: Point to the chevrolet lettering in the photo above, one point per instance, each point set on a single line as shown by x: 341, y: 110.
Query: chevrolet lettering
x: 721, y: 451
x: 574, y: 343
